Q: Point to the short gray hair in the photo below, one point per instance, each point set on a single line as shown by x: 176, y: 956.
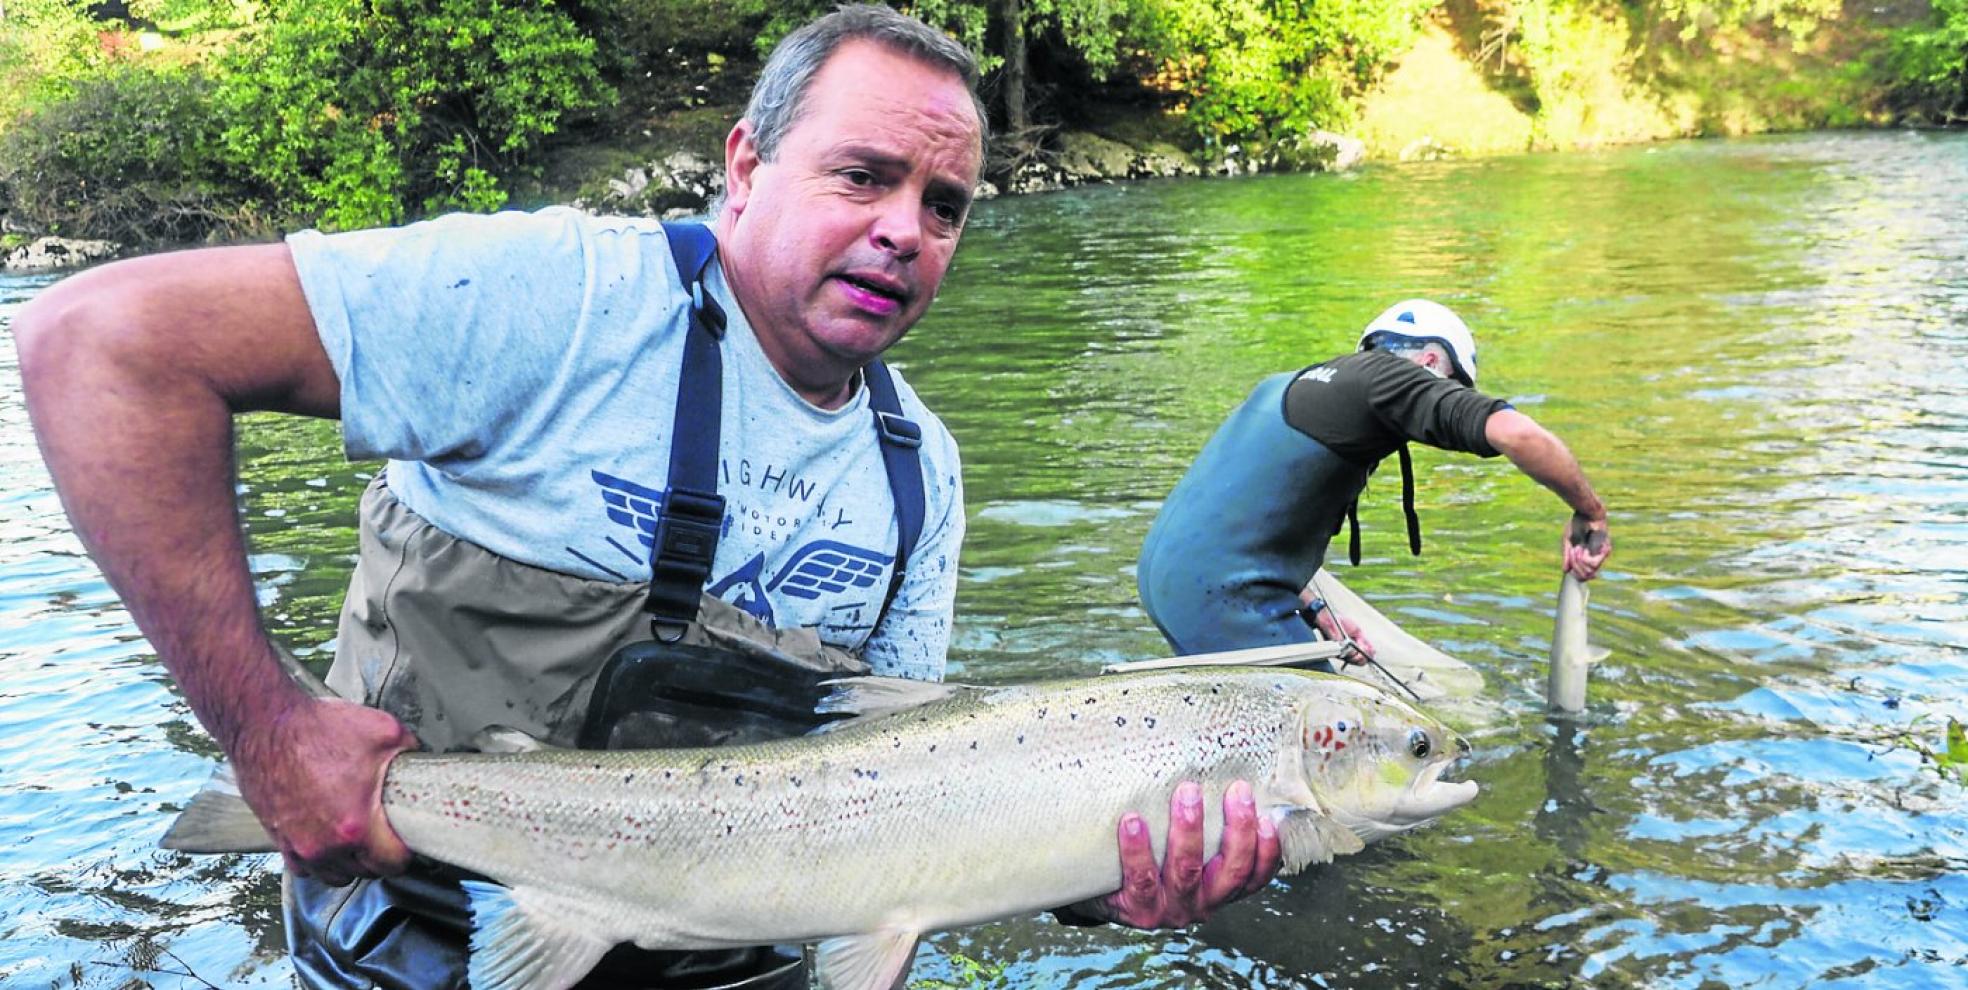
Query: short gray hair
x: 779, y: 96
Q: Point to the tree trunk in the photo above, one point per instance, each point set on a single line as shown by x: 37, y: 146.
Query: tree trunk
x: 1017, y: 118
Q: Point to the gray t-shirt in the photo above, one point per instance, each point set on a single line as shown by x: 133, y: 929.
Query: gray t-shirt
x: 520, y: 373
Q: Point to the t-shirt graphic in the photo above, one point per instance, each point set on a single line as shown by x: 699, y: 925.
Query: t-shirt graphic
x: 817, y: 568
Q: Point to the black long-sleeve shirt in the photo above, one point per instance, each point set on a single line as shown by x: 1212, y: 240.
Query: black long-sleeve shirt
x: 1363, y: 406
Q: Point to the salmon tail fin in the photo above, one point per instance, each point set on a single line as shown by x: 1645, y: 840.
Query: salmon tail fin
x: 875, y: 961
x: 218, y: 821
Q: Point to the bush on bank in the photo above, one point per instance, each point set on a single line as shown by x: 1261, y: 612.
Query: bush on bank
x: 336, y: 113
x: 128, y: 153
x: 1930, y: 61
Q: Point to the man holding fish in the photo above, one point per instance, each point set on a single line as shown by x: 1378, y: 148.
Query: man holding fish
x: 1229, y: 562
x: 543, y: 386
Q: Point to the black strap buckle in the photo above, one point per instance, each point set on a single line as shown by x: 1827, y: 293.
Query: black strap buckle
x: 898, y: 430
x: 685, y: 545
x: 707, y: 309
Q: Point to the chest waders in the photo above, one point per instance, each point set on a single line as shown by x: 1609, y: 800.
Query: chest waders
x: 450, y: 638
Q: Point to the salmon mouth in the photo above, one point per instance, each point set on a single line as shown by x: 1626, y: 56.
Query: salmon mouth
x: 1429, y: 796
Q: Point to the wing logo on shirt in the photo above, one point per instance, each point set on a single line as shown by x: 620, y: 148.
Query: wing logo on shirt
x: 819, y: 567
x: 825, y: 567
x: 822, y: 567
x: 743, y: 589
x: 631, y: 504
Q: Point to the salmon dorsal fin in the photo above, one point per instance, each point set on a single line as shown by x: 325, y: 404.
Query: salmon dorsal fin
x: 506, y: 739
x: 1307, y: 836
x: 875, y: 961
x: 529, y: 939
x: 864, y: 699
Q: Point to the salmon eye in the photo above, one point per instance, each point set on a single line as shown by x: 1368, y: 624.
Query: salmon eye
x: 1419, y: 745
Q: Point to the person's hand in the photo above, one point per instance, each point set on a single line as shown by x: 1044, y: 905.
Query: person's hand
x: 314, y: 776
x: 1587, y: 545
x: 1182, y: 889
x: 1330, y: 625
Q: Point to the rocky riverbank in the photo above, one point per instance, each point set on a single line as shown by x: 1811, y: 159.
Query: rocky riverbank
x: 685, y: 183
x: 48, y: 254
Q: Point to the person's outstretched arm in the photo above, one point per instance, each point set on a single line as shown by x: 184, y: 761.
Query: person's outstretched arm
x: 132, y: 374
x: 1539, y: 453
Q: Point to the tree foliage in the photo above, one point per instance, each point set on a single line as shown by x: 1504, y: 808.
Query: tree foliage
x: 1930, y: 65
x: 128, y: 152
x: 357, y: 112
x: 1266, y: 70
x: 46, y: 47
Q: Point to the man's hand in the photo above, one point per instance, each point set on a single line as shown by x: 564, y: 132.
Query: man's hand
x: 315, y: 778
x: 1182, y: 889
x: 1587, y: 545
x: 1332, y: 626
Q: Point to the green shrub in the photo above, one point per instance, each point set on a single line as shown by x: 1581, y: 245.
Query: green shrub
x: 1261, y: 73
x: 1929, y: 64
x: 128, y: 155
x: 353, y: 113
x: 45, y: 47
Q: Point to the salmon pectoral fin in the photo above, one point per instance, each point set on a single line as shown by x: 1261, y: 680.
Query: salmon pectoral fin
x: 876, y: 961
x: 528, y: 939
x: 1305, y: 837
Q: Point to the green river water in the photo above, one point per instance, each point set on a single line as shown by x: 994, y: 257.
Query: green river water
x: 1759, y: 349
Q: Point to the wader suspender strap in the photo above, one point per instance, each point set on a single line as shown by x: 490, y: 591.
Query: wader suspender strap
x: 901, y: 447
x: 692, y: 514
x: 1407, y: 508
x: 1408, y: 502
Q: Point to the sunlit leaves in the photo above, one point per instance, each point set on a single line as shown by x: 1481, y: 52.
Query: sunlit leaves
x: 1930, y: 63
x: 354, y: 113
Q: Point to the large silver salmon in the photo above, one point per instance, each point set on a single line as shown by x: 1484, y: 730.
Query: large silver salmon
x: 982, y: 804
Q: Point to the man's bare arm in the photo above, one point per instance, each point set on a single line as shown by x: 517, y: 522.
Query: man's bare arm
x: 1539, y: 453
x: 132, y: 373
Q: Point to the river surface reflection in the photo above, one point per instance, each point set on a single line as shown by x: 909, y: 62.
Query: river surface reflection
x: 1759, y: 349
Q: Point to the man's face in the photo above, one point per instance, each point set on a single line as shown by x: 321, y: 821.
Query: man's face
x: 836, y: 246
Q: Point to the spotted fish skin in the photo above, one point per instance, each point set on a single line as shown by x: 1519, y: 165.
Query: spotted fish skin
x: 983, y: 804
x: 990, y: 803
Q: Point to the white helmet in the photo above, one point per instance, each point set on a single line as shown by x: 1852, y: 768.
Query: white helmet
x: 1425, y: 322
